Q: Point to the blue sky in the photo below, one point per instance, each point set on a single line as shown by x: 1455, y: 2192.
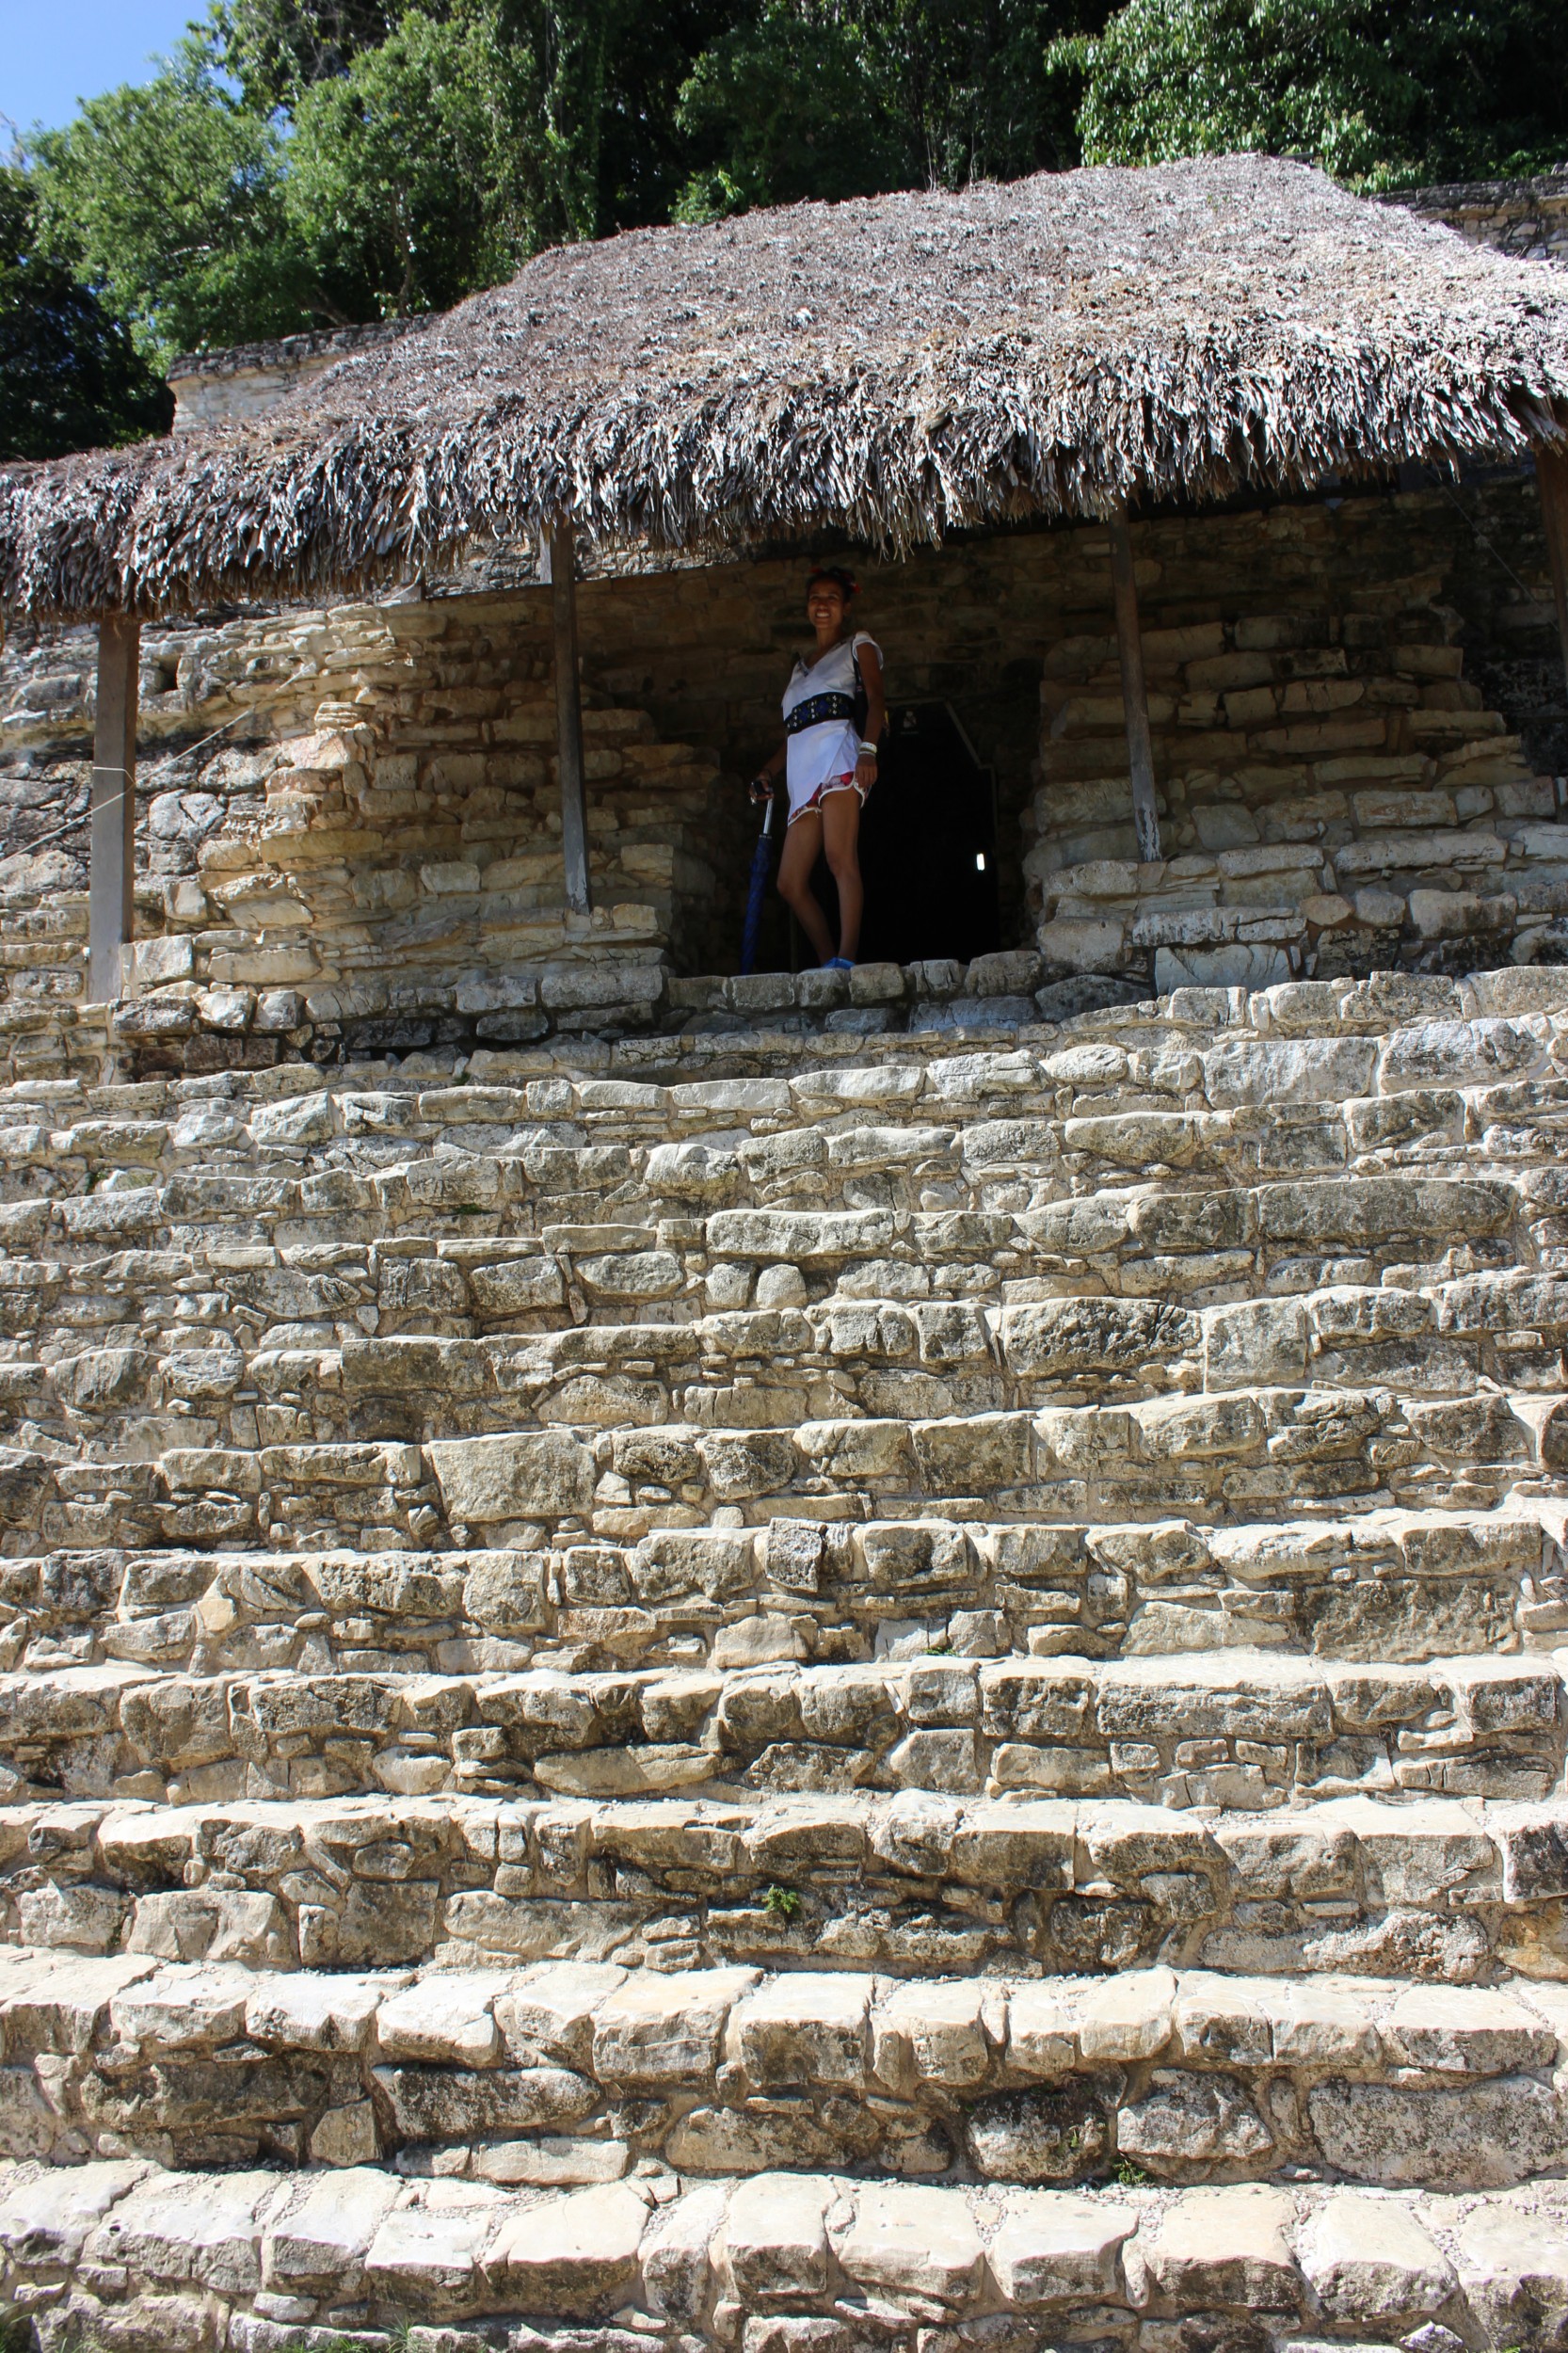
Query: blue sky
x: 54, y: 52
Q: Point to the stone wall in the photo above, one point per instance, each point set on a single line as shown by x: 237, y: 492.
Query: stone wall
x: 1334, y: 796
x: 1528, y: 218
x: 754, y: 1693
x: 247, y: 379
x: 369, y: 814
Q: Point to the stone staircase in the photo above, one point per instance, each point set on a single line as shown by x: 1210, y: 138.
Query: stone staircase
x: 795, y: 1691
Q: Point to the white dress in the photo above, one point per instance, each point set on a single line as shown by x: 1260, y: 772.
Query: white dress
x: 822, y: 758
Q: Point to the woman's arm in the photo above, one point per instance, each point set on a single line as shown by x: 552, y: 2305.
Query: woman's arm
x: 768, y: 775
x: 876, y: 715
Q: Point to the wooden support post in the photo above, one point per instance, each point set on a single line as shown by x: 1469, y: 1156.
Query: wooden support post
x: 112, y: 869
x: 1135, y: 700
x: 558, y: 566
x: 1551, y: 473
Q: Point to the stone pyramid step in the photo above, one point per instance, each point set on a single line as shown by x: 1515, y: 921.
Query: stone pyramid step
x: 1001, y: 1611
x: 1431, y: 1889
x: 1384, y: 1584
x: 1242, y: 1727
x: 148, y: 2256
x: 571, y: 2072
x: 735, y: 1429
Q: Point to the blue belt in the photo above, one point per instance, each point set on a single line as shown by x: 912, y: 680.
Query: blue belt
x: 818, y: 708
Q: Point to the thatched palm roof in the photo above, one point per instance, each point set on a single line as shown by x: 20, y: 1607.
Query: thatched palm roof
x: 890, y: 369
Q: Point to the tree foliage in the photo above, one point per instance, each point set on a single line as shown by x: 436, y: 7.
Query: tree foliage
x: 1381, y: 95
x: 70, y: 376
x: 810, y: 99
x: 408, y: 180
x: 168, y: 200
x: 275, y: 49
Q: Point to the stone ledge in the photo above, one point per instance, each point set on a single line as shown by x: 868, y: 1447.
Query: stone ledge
x: 146, y: 2252
x: 1238, y: 1727
x: 1430, y: 1889
x: 811, y: 1576
x: 566, y: 2073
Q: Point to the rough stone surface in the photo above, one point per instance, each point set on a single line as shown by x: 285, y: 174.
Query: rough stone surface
x: 784, y: 1698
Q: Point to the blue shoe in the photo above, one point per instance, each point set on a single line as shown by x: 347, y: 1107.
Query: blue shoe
x: 838, y: 964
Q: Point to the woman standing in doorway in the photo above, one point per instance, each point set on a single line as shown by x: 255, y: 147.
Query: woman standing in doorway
x: 834, y: 714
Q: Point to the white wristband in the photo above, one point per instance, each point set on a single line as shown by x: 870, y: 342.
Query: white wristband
x: 867, y: 748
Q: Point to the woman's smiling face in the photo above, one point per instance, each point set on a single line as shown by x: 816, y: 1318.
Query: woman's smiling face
x: 826, y: 605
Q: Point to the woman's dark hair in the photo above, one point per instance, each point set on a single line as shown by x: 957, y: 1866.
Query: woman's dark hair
x: 835, y: 575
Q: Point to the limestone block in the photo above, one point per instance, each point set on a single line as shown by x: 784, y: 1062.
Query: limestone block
x: 798, y: 1235
x: 885, y: 1084
x: 775, y: 2243
x: 291, y: 1124
x: 551, y: 2008
x: 806, y: 2027
x: 207, y: 2231
x: 1458, y: 1053
x: 1234, y: 964
x: 462, y: 2104
x: 47, y: 2216
x: 1295, y: 1070
x: 428, y: 2252
x: 504, y: 1591
x: 1076, y: 944
x: 1258, y: 1342
x: 530, y: 1474
x: 446, y: 2016
x: 574, y: 2254
x: 346, y: 2136
x: 676, y: 2251
x: 88, y: 1919
x: 1467, y: 2030
x: 156, y: 962
x: 1072, y: 1336
x: 1368, y: 2258
x: 1056, y: 2249
x: 179, y: 2010
x: 1223, y: 2247
x: 1322, y: 2026
x: 1042, y: 2031
x: 913, y: 2241
x: 1486, y: 2136
x: 943, y: 2033
x: 209, y: 1923
x: 584, y: 988
x: 319, y: 2237
x: 63, y: 2008
x: 656, y: 2031
x: 1513, y: 2270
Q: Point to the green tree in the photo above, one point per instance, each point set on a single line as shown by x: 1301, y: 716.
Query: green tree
x: 70, y: 376
x: 788, y: 107
x: 168, y: 202
x: 417, y: 174
x: 968, y: 83
x: 1381, y: 95
x: 645, y: 155
x: 833, y: 98
x: 275, y: 49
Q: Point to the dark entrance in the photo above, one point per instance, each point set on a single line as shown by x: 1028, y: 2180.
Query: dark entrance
x: 928, y: 845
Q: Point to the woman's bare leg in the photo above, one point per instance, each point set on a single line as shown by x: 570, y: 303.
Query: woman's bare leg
x: 802, y: 843
x: 841, y: 819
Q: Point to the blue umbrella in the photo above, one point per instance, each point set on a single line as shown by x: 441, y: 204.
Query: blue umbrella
x: 762, y: 865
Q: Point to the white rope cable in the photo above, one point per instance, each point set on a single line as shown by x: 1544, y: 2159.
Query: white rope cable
x: 116, y: 799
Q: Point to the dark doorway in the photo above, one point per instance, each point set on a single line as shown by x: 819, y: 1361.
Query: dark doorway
x: 928, y: 845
